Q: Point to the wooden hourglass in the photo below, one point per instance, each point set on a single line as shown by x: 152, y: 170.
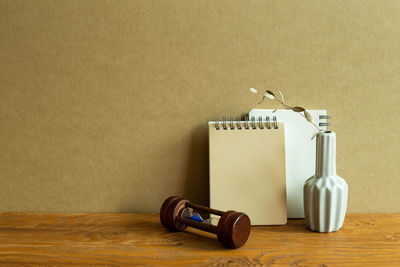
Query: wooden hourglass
x: 233, y: 227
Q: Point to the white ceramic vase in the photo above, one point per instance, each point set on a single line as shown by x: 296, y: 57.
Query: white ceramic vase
x: 325, y: 193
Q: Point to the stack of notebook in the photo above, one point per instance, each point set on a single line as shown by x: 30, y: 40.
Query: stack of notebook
x: 259, y: 165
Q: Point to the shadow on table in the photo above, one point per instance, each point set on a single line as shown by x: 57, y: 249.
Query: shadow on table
x: 190, y: 238
x: 292, y: 226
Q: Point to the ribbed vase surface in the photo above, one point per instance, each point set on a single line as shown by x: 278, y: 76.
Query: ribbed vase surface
x: 325, y: 193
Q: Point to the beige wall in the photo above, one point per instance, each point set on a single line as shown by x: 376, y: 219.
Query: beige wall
x: 104, y: 104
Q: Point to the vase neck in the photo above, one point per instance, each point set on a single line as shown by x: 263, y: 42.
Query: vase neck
x: 326, y: 154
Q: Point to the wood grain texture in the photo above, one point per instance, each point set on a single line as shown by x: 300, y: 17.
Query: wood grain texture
x: 140, y: 239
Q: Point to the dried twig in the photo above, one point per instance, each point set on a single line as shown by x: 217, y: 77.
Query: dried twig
x: 300, y: 110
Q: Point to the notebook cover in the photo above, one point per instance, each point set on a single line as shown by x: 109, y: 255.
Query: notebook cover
x: 247, y: 173
x: 300, y: 152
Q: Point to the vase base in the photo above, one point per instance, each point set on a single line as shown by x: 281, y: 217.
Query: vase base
x: 318, y: 231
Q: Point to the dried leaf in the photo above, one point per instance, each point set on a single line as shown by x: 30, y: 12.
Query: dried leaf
x: 274, y: 110
x: 298, y: 109
x: 307, y: 116
x: 270, y: 92
x: 253, y: 90
x: 283, y: 99
x: 269, y: 96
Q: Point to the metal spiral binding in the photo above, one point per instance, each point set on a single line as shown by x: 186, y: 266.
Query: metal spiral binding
x: 325, y: 117
x: 224, y: 123
x: 275, y: 122
x: 239, y: 123
x: 325, y: 124
x: 268, y: 122
x: 260, y: 122
x: 251, y: 121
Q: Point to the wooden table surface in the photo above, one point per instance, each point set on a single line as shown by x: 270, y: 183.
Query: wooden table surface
x: 139, y: 239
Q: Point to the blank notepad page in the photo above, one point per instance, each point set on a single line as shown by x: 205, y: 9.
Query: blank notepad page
x: 247, y: 170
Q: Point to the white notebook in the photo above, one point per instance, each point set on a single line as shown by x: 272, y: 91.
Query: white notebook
x: 247, y: 169
x: 300, y: 152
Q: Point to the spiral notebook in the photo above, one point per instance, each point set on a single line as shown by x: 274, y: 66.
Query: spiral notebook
x: 300, y: 152
x: 247, y: 168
